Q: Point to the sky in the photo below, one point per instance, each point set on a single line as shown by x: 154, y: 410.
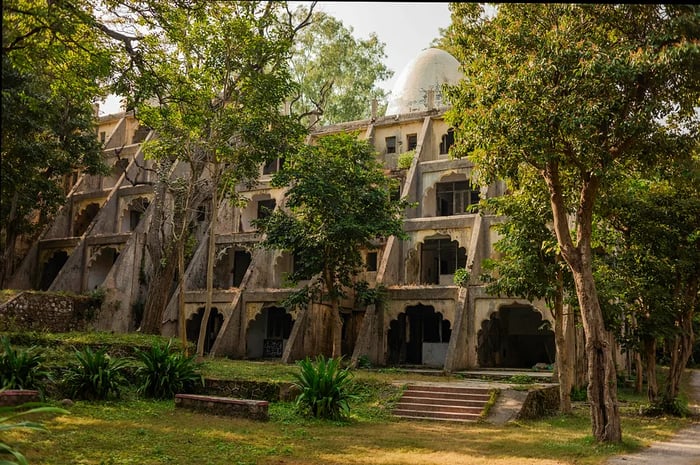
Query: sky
x: 406, y: 28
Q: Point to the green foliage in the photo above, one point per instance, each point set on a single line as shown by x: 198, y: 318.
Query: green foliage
x: 677, y: 407
x: 8, y: 422
x: 338, y: 203
x: 579, y: 395
x: 325, y: 388
x: 95, y: 375
x: 365, y: 295
x: 405, y: 159
x: 337, y: 75
x: 165, y: 373
x: 521, y: 379
x: 21, y: 369
x: 461, y: 277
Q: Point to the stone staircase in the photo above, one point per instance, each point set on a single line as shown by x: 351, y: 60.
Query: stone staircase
x: 443, y: 403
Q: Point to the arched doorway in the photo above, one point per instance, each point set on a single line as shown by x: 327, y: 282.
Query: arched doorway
x: 51, y: 269
x: 419, y: 336
x: 515, y: 337
x: 268, y: 333
x: 216, y: 321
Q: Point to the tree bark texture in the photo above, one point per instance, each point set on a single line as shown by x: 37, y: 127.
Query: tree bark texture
x: 563, y: 335
x: 602, y: 377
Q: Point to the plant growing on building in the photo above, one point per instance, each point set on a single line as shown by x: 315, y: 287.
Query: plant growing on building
x: 9, y: 417
x: 580, y: 94
x: 405, y: 159
x: 95, y: 375
x: 166, y: 372
x: 325, y: 387
x: 461, y: 277
x: 21, y: 369
x: 338, y: 202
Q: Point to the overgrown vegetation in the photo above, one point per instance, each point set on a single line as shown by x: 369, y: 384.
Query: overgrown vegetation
x: 165, y: 373
x: 95, y: 375
x: 21, y: 368
x: 325, y: 388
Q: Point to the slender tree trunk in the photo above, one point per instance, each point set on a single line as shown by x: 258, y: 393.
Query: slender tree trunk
x: 649, y: 352
x: 638, y: 373
x: 182, y: 323
x: 682, y: 344
x: 211, y: 258
x: 602, y: 378
x: 562, y: 337
x: 337, y: 326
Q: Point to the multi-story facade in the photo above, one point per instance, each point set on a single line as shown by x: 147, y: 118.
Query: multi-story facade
x: 97, y: 241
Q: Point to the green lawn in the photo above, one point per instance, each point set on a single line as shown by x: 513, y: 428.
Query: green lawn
x: 137, y: 431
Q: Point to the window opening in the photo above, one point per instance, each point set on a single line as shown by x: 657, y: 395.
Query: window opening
x: 455, y: 198
x: 412, y: 141
x: 371, y: 261
x: 265, y: 208
x: 447, y: 141
x: 391, y: 144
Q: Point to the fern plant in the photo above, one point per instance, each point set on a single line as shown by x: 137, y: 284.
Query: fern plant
x: 9, y: 421
x: 95, y: 376
x: 165, y: 373
x: 325, y: 388
x: 21, y: 369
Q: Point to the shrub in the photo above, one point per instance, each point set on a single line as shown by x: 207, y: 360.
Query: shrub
x: 325, y: 388
x: 405, y: 159
x: 21, y: 369
x: 95, y: 376
x: 461, y: 277
x: 8, y: 422
x: 165, y: 373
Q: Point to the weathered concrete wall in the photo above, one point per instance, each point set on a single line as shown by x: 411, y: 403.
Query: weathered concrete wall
x: 48, y: 312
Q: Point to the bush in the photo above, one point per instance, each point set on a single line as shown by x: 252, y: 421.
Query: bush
x: 325, y: 388
x: 21, y: 369
x: 405, y: 159
x: 165, y: 373
x: 95, y: 376
x: 461, y: 277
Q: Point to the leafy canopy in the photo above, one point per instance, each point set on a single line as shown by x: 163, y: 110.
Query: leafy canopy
x: 338, y: 202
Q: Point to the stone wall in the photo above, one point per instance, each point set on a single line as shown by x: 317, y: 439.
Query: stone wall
x: 40, y: 311
x: 540, y: 402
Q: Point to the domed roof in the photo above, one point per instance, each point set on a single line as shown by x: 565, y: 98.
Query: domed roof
x: 428, y: 71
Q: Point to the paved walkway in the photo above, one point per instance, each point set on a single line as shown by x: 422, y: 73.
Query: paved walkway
x: 683, y: 449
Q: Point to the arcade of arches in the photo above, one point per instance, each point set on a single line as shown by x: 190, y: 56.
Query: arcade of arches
x: 419, y: 336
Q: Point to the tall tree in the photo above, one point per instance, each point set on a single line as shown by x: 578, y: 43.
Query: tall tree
x: 580, y: 94
x: 338, y: 202
x: 211, y: 80
x: 337, y: 74
x: 530, y: 266
x: 656, y: 261
x: 53, y: 68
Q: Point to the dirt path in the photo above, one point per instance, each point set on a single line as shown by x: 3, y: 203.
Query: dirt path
x: 683, y: 449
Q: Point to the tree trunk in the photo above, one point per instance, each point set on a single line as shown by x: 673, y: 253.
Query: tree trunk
x: 564, y: 355
x: 602, y: 378
x: 681, y: 345
x: 638, y: 373
x: 182, y: 324
x: 211, y: 258
x: 159, y: 294
x: 649, y: 352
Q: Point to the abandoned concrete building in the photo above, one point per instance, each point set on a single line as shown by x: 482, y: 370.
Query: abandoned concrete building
x: 97, y: 241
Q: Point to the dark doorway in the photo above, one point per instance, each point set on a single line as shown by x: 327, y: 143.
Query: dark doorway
x: 441, y: 257
x: 515, y: 337
x: 241, y: 262
x: 419, y: 328
x: 268, y: 333
x: 85, y: 218
x: 216, y: 320
x: 52, y: 268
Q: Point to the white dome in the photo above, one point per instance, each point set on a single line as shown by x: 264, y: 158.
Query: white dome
x: 428, y: 71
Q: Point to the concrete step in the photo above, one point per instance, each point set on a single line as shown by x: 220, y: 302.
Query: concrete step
x: 442, y: 403
x: 409, y: 399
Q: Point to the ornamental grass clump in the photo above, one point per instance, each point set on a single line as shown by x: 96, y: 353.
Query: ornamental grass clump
x: 95, y: 376
x: 165, y: 373
x: 21, y: 369
x: 325, y: 388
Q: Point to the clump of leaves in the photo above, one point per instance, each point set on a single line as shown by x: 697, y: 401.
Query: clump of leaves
x: 95, y: 376
x: 165, y: 373
x: 21, y: 369
x: 325, y: 388
x: 8, y: 421
x: 461, y: 277
x: 405, y: 159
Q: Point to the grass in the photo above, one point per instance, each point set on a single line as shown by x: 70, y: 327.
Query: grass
x: 138, y: 431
